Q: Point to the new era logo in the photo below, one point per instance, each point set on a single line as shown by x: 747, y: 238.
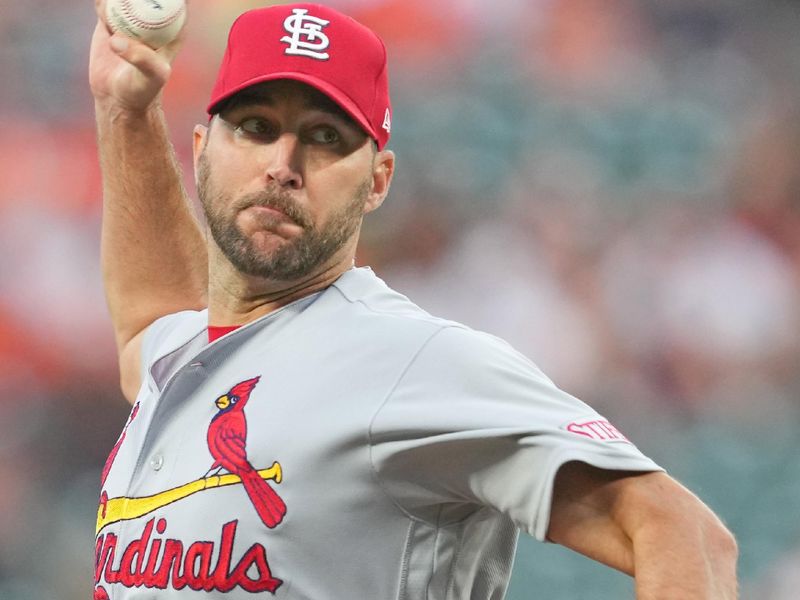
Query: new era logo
x: 387, y: 121
x: 306, y: 36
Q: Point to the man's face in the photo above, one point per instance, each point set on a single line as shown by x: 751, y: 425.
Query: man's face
x: 285, y: 177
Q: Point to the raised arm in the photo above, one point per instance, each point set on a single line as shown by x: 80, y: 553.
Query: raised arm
x: 153, y: 249
x: 648, y: 526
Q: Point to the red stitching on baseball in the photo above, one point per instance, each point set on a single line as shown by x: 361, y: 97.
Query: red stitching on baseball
x: 127, y: 10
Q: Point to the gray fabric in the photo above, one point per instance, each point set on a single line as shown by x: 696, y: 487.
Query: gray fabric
x: 412, y: 449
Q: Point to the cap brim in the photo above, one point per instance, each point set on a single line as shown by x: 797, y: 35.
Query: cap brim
x: 334, y: 93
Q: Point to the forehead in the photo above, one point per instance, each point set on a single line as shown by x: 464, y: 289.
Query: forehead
x: 271, y: 93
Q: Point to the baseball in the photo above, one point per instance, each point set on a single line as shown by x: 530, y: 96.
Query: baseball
x: 154, y: 22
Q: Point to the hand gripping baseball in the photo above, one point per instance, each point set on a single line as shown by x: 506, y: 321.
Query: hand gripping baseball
x: 125, y: 73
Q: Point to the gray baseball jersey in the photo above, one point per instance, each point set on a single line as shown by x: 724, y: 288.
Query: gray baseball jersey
x: 348, y: 445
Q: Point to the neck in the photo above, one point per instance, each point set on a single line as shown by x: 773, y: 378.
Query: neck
x: 237, y: 299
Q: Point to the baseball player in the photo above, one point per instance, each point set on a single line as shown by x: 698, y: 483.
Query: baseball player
x: 300, y: 430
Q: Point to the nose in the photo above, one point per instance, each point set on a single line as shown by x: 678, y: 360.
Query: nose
x: 283, y: 167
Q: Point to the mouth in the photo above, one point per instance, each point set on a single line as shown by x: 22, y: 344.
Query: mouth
x: 269, y: 210
x: 268, y: 221
x: 273, y: 207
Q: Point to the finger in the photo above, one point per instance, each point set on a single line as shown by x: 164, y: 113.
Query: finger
x: 100, y: 9
x: 151, y: 64
x: 101, y: 31
x: 170, y: 50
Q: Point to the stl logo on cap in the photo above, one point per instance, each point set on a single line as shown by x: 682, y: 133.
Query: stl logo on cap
x: 387, y: 121
x: 307, y: 38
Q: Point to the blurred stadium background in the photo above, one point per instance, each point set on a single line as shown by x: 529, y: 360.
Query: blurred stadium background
x: 611, y: 185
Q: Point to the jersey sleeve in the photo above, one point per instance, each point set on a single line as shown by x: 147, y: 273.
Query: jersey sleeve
x: 472, y: 423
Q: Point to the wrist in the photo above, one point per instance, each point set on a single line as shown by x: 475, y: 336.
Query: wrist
x: 112, y: 110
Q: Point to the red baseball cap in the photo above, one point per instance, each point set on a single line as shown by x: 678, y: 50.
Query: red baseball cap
x: 316, y: 45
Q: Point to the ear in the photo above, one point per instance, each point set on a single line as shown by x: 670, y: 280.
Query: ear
x: 382, y: 173
x: 199, y: 137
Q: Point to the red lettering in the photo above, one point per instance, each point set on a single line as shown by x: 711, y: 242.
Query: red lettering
x: 174, y: 549
x: 109, y: 549
x: 98, y: 552
x: 221, y: 578
x: 140, y: 564
x: 602, y: 431
x: 604, y: 428
x: 104, y: 503
x: 256, y: 557
x: 576, y: 428
x: 593, y: 425
x: 149, y: 575
x: 171, y: 560
x: 611, y: 430
x: 197, y: 575
x: 132, y: 574
x: 100, y: 594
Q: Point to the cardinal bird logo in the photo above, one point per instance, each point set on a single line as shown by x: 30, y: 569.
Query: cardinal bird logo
x: 227, y: 442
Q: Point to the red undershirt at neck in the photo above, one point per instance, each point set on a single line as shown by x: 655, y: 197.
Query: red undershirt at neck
x: 215, y: 331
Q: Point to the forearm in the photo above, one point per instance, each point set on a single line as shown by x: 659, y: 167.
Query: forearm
x: 153, y: 250
x: 648, y: 526
x: 692, y: 560
x: 680, y: 548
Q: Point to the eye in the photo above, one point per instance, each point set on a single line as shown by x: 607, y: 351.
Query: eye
x: 256, y: 127
x: 234, y: 399
x: 324, y: 135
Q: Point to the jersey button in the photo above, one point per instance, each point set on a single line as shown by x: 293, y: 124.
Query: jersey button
x: 157, y: 462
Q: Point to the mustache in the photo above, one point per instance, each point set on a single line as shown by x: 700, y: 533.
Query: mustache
x: 277, y: 200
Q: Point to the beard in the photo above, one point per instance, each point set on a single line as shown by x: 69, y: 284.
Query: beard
x: 294, y: 259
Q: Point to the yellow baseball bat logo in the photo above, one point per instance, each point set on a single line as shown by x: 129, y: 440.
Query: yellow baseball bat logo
x: 114, y: 510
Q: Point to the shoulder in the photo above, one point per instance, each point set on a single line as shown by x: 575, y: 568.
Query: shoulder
x: 391, y: 316
x: 457, y: 355
x: 445, y: 349
x: 363, y: 290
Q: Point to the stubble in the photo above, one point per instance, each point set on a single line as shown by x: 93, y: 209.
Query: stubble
x: 293, y: 259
